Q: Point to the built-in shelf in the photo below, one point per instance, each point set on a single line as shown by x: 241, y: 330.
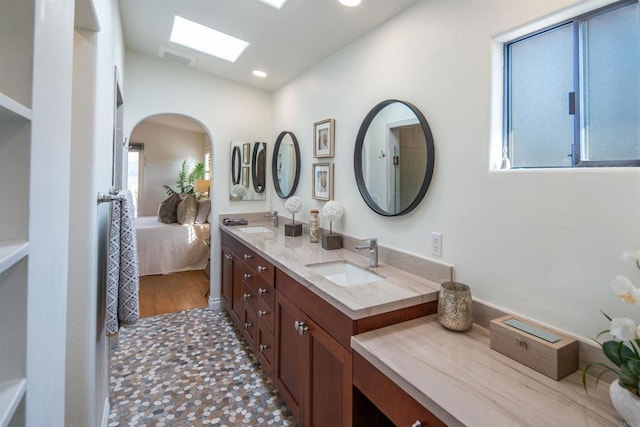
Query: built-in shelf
x: 11, y: 253
x: 13, y: 110
x: 11, y: 393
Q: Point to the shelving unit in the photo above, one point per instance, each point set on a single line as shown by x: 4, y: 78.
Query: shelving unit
x: 16, y: 82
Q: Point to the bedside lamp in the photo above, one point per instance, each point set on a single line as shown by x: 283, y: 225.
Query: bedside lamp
x: 202, y: 186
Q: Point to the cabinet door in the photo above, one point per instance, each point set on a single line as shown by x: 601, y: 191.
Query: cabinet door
x: 237, y: 290
x: 227, y: 277
x: 330, y: 393
x: 292, y: 356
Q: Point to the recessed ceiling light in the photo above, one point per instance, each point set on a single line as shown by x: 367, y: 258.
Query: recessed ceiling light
x: 274, y: 3
x: 206, y: 40
x: 350, y: 3
x: 259, y: 73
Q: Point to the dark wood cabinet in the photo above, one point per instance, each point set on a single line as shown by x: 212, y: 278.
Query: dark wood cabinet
x: 227, y: 275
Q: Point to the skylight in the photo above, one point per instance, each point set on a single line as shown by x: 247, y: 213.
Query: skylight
x: 206, y: 40
x: 274, y: 3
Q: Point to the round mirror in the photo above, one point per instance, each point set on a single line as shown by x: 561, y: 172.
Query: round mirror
x: 235, y: 165
x: 285, y: 164
x: 258, y: 166
x: 394, y: 158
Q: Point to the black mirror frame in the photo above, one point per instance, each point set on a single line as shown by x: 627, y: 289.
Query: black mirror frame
x: 236, y: 165
x: 254, y: 167
x: 357, y: 158
x: 274, y: 164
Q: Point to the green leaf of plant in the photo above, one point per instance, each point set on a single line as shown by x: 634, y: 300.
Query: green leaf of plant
x: 634, y: 367
x: 612, y: 349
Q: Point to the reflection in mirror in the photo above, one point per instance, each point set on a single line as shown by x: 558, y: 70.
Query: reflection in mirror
x: 235, y: 165
x: 285, y: 165
x: 258, y: 166
x: 394, y: 158
x: 248, y: 171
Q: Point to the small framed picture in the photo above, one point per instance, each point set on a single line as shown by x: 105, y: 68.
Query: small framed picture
x: 323, y: 181
x: 246, y: 153
x: 323, y: 138
x: 245, y: 176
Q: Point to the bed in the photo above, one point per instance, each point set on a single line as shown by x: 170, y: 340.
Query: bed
x: 169, y: 248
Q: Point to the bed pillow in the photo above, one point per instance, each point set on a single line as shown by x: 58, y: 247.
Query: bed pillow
x: 167, y: 209
x: 187, y: 210
x: 204, y: 207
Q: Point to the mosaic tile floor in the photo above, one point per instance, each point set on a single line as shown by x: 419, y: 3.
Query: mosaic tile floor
x: 190, y: 368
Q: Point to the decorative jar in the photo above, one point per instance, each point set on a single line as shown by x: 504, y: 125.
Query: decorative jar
x: 454, y: 306
x: 314, y: 226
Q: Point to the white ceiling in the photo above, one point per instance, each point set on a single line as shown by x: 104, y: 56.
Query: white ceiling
x: 284, y: 42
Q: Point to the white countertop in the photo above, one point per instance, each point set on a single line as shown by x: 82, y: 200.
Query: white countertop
x: 462, y: 381
x: 398, y: 289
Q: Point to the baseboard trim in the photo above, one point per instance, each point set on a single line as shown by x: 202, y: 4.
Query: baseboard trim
x: 215, y: 303
x: 105, y: 413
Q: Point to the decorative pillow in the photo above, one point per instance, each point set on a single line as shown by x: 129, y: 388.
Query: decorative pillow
x: 187, y: 210
x: 204, y: 207
x: 167, y: 209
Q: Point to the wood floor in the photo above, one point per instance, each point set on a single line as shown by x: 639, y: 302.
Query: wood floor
x: 172, y: 292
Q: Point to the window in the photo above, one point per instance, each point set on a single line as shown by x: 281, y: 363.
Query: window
x: 134, y: 173
x: 572, y: 92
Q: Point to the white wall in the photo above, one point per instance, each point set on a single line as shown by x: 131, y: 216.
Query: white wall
x: 541, y: 243
x: 165, y: 148
x: 96, y: 54
x: 229, y: 111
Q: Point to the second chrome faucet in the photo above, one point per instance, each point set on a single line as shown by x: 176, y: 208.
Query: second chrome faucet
x: 372, y: 245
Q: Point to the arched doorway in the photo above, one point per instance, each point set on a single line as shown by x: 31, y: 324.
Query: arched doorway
x: 169, y: 164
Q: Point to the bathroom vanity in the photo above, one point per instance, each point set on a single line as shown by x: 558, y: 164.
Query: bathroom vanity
x: 299, y: 323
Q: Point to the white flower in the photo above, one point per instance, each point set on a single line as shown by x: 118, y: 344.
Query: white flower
x: 332, y: 210
x: 624, y: 290
x: 623, y: 329
x: 293, y: 204
x: 635, y: 255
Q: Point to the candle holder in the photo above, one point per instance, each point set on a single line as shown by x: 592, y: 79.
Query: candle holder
x: 454, y: 306
x: 293, y: 205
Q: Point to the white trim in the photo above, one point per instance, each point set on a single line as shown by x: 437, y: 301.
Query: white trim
x: 105, y: 413
x: 215, y: 303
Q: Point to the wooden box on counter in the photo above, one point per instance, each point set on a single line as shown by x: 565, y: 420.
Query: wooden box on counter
x: 554, y: 359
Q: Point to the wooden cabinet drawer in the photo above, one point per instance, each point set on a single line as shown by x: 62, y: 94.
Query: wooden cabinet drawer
x: 265, y: 271
x: 249, y: 276
x: 400, y: 408
x: 267, y: 294
x: 249, y: 297
x: 264, y: 348
x: 248, y: 256
x: 265, y: 314
x: 249, y: 326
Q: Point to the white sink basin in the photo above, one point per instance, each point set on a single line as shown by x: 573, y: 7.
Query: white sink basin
x: 343, y: 273
x: 255, y: 229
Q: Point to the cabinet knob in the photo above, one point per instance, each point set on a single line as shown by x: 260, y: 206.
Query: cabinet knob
x: 247, y: 276
x: 300, y: 327
x: 246, y: 296
x: 262, y: 347
x: 247, y: 257
x: 228, y: 257
x: 262, y: 269
x: 262, y: 313
x: 417, y: 424
x: 247, y: 325
x: 262, y: 291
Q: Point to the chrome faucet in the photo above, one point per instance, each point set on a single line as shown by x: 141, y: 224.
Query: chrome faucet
x: 373, y: 250
x: 274, y: 215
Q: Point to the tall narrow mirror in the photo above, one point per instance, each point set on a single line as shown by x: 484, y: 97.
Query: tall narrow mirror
x: 285, y: 164
x: 258, y: 166
x: 248, y: 171
x: 394, y: 158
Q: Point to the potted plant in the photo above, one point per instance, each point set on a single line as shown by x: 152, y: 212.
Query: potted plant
x: 623, y: 350
x: 186, y: 180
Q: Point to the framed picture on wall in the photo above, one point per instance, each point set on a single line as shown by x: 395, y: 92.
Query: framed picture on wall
x: 322, y: 181
x: 323, y: 138
x: 246, y: 153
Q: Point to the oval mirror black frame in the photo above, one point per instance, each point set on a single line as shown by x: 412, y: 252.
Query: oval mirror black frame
x: 274, y: 165
x: 357, y: 158
x: 236, y: 163
x: 258, y: 166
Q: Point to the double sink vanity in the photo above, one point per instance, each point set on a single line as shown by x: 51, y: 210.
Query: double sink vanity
x: 346, y: 344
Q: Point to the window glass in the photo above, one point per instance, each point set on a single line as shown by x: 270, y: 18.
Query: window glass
x: 611, y: 76
x: 541, y: 77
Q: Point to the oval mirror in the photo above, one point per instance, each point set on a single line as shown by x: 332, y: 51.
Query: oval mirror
x: 394, y: 158
x: 285, y: 164
x: 258, y: 166
x: 236, y: 162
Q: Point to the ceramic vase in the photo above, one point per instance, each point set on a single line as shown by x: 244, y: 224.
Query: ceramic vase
x: 626, y: 403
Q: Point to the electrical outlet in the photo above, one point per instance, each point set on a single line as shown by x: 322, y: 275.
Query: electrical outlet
x: 436, y: 244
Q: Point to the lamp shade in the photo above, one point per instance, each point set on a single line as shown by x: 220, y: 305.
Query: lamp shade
x: 201, y: 185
